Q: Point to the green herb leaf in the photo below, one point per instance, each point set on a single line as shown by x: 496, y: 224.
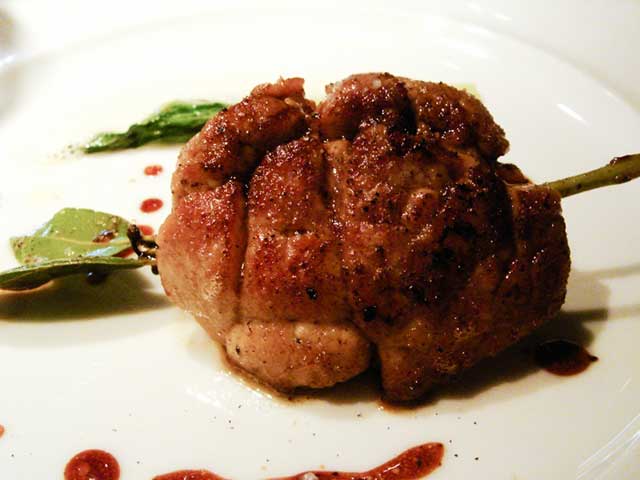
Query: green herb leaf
x: 175, y: 123
x: 75, y: 240
x: 72, y: 233
x: 32, y: 276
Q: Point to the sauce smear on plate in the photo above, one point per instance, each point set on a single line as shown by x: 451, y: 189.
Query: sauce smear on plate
x: 412, y: 464
x: 92, y: 465
x: 562, y: 357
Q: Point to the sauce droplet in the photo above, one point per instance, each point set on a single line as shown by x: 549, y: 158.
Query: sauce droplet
x: 562, y: 357
x: 412, y: 464
x: 92, y: 465
x: 153, y: 170
x: 145, y: 229
x: 1, y: 430
x: 151, y: 205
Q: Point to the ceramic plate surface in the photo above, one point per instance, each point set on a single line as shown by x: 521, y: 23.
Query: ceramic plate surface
x: 117, y: 367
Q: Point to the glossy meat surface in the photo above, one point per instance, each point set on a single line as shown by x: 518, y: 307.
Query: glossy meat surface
x: 378, y: 225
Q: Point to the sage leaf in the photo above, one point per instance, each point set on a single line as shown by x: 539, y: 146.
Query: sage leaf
x: 72, y: 233
x: 32, y: 276
x: 174, y: 123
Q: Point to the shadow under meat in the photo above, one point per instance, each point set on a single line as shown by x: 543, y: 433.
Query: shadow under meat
x: 587, y: 298
x: 73, y: 298
x: 362, y: 388
x: 516, y: 362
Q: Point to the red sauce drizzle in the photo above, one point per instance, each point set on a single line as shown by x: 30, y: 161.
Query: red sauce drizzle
x: 92, y: 465
x: 151, y: 205
x: 412, y: 464
x: 145, y: 229
x: 1, y: 430
x: 562, y: 357
x: 189, y: 475
x: 153, y: 170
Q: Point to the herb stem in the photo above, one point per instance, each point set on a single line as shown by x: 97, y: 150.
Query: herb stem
x: 619, y: 170
x: 144, y: 246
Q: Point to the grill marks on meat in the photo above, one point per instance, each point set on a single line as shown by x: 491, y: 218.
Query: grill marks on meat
x: 383, y: 219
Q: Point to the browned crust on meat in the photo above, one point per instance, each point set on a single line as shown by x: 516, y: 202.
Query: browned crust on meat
x: 233, y: 143
x: 292, y: 264
x: 205, y: 225
x: 294, y: 354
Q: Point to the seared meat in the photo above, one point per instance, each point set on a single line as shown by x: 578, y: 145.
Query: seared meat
x: 307, y: 239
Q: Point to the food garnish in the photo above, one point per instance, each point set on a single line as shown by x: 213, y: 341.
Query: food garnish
x: 174, y: 123
x: 73, y: 241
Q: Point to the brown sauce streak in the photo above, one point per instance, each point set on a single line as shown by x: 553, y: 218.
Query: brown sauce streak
x: 562, y: 357
x: 92, y: 465
x: 412, y: 464
x: 151, y: 205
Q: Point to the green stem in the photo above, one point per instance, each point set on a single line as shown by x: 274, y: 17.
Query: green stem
x: 175, y: 123
x: 618, y: 170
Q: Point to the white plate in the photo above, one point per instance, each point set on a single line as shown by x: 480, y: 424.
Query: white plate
x: 116, y: 367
